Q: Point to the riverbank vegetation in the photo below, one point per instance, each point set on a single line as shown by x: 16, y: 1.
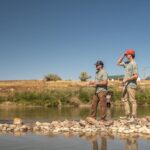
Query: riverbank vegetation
x: 62, y: 93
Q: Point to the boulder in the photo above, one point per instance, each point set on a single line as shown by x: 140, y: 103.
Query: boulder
x: 17, y: 121
x: 82, y: 123
x: 91, y: 121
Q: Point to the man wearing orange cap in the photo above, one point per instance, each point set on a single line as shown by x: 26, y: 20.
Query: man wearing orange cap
x: 130, y: 83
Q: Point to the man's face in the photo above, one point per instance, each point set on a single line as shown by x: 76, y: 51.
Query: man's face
x: 129, y: 56
x: 98, y: 67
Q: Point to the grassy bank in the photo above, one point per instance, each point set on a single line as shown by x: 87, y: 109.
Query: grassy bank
x: 50, y: 97
x: 56, y: 94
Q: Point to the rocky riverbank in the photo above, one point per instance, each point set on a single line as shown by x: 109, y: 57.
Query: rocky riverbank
x: 141, y: 126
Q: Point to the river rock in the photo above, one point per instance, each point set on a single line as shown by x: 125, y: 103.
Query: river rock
x: 91, y: 121
x: 17, y: 121
x: 146, y: 131
x: 55, y: 123
x: 45, y: 128
x: 56, y: 131
x: 90, y: 126
x: 36, y: 128
x: 148, y: 118
x: 82, y: 123
x: 17, y: 129
x: 24, y: 128
x: 65, y: 129
x: 45, y: 124
x: 38, y: 123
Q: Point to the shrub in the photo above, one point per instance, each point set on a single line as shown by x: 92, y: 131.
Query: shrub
x: 52, y: 77
x: 84, y: 76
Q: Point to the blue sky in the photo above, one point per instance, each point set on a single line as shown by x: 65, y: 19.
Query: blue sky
x: 66, y: 37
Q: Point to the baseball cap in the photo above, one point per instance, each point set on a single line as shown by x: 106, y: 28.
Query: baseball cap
x: 99, y: 62
x: 130, y: 52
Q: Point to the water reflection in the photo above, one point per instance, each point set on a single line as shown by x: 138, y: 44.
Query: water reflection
x: 130, y: 143
x: 99, y: 141
x: 103, y: 144
x: 49, y: 114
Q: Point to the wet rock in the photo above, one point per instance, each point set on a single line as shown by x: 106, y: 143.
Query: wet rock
x: 148, y: 118
x: 146, y: 131
x: 36, y: 128
x: 24, y: 128
x: 45, y: 128
x: 75, y: 129
x: 17, y: 121
x: 45, y: 124
x: 109, y: 123
x: 56, y: 131
x: 11, y: 127
x: 91, y: 120
x: 121, y: 129
x: 17, y: 129
x: 4, y: 128
x: 38, y: 123
x: 89, y: 126
x: 65, y: 129
x: 138, y: 126
x: 128, y: 131
x: 55, y: 124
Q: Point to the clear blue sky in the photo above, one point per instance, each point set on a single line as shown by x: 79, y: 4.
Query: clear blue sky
x: 66, y: 37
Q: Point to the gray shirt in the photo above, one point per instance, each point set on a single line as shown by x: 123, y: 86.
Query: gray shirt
x: 101, y: 75
x: 131, y: 68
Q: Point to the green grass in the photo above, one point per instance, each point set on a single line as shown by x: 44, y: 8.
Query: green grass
x: 53, y: 98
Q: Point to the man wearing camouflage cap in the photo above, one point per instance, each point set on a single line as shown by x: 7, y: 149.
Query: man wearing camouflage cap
x: 100, y: 83
x: 129, y: 83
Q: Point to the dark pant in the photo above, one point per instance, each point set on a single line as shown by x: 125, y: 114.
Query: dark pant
x: 99, y: 98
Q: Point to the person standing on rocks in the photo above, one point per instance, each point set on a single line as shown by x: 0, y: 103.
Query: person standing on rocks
x: 129, y: 84
x: 100, y: 84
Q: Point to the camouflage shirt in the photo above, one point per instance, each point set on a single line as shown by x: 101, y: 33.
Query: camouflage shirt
x: 130, y: 69
x: 101, y: 75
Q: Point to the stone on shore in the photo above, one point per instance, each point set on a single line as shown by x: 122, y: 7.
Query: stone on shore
x: 88, y: 126
x: 17, y: 121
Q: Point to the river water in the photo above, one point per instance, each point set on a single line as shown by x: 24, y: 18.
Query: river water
x: 67, y: 141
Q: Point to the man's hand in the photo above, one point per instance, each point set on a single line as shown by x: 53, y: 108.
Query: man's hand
x: 125, y: 81
x: 121, y: 59
x: 134, y: 77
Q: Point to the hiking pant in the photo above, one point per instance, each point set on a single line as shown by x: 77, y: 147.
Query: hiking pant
x: 99, y: 98
x: 129, y: 98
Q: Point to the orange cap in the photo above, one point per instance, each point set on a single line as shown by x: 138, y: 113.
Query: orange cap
x: 130, y: 52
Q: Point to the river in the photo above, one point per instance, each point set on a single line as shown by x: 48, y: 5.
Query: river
x: 67, y: 141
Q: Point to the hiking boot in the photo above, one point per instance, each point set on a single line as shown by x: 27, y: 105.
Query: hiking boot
x: 91, y: 120
x: 131, y: 120
x: 109, y: 123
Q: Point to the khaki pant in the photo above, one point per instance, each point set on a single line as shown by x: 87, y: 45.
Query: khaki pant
x: 99, y: 98
x: 129, y: 98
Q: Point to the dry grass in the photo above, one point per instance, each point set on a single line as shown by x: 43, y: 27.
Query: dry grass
x: 40, y: 84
